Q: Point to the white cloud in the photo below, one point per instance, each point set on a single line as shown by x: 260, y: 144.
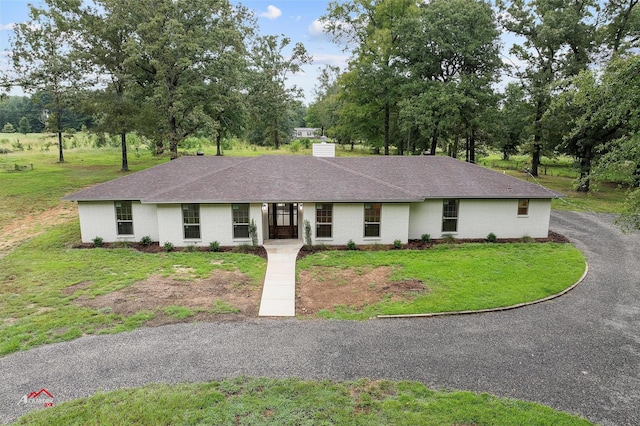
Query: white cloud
x: 7, y: 27
x: 271, y: 13
x: 317, y: 28
x: 330, y: 59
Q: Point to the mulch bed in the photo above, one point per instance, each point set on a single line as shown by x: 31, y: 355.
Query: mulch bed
x: 420, y: 245
x: 305, y: 251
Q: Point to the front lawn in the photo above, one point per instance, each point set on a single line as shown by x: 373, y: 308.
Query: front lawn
x: 49, y: 292
x: 445, y: 278
x: 296, y: 402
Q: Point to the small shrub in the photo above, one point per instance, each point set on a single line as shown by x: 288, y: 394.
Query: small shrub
x: 191, y: 248
x: 491, y: 238
x: 168, y: 246
x: 448, y: 238
x: 17, y: 145
x: 253, y: 233
x: 97, y: 242
x: 214, y: 246
x: 527, y: 239
x: 426, y: 238
x: 397, y: 244
x: 295, y: 146
x: 307, y: 235
x: 306, y: 143
x: 351, y: 245
x: 145, y: 241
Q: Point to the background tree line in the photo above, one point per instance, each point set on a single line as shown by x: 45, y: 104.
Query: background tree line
x: 422, y: 76
x: 428, y: 76
x: 166, y: 69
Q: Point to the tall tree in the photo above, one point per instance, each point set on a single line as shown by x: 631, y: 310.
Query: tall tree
x: 602, y: 116
x: 514, y: 117
x: 369, y: 31
x: 558, y: 40
x: 271, y: 100
x: 450, y: 52
x: 621, y: 30
x: 105, y: 29
x: 41, y: 63
x: 178, y: 57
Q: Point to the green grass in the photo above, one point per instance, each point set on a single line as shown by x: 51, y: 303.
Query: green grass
x: 264, y: 401
x: 461, y: 277
x: 560, y: 174
x: 35, y: 310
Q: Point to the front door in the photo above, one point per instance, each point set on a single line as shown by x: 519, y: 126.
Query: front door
x: 283, y: 220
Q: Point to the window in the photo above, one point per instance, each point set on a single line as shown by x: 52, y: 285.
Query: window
x: 324, y: 220
x: 372, y: 220
x: 240, y: 220
x: 191, y: 220
x: 124, y: 217
x: 523, y: 207
x: 450, y: 216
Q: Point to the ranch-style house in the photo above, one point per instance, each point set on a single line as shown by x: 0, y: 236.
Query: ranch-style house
x: 197, y: 200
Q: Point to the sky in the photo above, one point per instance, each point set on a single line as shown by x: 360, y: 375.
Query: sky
x: 296, y: 19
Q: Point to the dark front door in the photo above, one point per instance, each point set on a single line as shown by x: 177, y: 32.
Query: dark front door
x: 283, y: 220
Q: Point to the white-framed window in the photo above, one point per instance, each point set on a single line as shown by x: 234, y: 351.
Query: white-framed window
x: 450, y: 215
x: 124, y: 217
x: 240, y: 220
x: 372, y: 219
x: 191, y: 221
x: 523, y: 207
x: 324, y: 220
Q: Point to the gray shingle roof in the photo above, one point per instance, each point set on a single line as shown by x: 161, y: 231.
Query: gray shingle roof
x: 276, y: 178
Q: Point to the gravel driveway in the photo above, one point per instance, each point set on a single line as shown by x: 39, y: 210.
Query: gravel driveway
x: 579, y: 353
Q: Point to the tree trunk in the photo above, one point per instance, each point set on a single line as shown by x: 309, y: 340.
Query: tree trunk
x: 173, y: 138
x: 535, y: 159
x: 60, y: 146
x: 585, y: 171
x: 125, y: 160
x: 276, y: 140
x: 434, y: 141
x: 537, y: 138
x: 466, y: 148
x: 387, y: 127
x: 218, y: 140
x: 472, y: 147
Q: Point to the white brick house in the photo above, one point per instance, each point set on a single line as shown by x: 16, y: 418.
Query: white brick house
x: 198, y: 200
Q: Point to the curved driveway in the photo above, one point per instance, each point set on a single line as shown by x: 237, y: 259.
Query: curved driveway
x: 579, y: 353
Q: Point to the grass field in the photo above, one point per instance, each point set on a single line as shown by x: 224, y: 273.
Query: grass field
x: 263, y: 401
x: 561, y: 174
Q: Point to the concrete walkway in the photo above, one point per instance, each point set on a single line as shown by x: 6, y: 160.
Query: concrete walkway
x: 279, y: 290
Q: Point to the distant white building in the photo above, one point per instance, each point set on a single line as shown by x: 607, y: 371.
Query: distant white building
x: 307, y: 132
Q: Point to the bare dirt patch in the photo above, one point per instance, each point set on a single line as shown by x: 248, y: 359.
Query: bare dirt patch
x: 21, y: 230
x: 327, y: 287
x: 157, y: 292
